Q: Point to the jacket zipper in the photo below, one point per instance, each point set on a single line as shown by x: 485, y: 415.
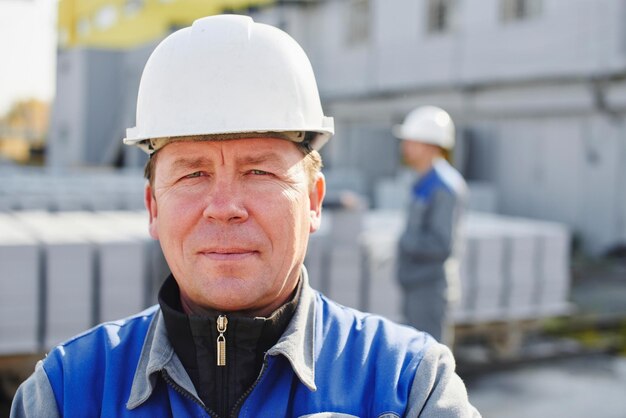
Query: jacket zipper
x: 221, y: 370
x: 186, y: 394
x: 240, y: 401
x: 222, y: 323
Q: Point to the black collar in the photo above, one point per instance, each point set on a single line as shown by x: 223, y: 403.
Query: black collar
x: 194, y: 337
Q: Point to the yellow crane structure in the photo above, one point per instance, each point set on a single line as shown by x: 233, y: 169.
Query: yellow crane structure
x: 122, y: 24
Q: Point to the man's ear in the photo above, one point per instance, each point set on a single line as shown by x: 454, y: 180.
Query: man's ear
x: 316, y: 197
x: 151, y: 205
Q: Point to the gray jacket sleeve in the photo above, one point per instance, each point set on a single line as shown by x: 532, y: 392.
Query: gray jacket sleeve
x: 430, y: 228
x: 437, y: 391
x: 34, y: 397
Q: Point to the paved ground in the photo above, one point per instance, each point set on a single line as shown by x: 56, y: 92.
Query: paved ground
x: 573, y: 376
x: 588, y: 386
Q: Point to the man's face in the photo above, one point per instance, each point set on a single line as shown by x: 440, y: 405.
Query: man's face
x: 233, y: 219
x: 417, y: 154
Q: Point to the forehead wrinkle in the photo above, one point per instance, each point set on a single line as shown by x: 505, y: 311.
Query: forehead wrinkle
x: 247, y: 157
x: 265, y: 157
x: 191, y: 162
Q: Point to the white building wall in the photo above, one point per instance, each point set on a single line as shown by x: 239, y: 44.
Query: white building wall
x: 408, y: 56
x: 543, y: 99
x: 540, y: 97
x: 95, y: 103
x: 559, y: 168
x: 67, y: 129
x: 568, y: 38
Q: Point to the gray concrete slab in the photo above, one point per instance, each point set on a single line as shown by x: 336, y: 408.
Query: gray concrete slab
x: 590, y: 386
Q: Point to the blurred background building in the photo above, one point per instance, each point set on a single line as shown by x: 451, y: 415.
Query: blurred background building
x: 23, y: 130
x: 103, y: 46
x: 536, y: 87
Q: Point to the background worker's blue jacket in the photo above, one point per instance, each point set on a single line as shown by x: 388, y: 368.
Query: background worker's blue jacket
x: 331, y: 361
x: 429, y: 248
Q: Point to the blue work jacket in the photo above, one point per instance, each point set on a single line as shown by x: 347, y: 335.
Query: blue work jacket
x: 332, y: 361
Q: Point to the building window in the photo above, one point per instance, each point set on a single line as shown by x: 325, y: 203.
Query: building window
x: 106, y: 17
x: 64, y: 36
x: 441, y: 15
x: 358, y: 28
x: 83, y: 26
x: 516, y: 10
x: 132, y: 7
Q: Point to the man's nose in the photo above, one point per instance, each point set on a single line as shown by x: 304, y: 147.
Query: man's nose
x: 226, y: 202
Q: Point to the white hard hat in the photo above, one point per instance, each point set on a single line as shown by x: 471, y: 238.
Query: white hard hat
x: 428, y: 124
x: 228, y: 75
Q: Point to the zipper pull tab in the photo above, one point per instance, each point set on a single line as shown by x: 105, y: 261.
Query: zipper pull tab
x: 222, y: 322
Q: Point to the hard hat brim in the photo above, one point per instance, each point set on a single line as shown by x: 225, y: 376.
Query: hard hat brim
x: 398, y: 132
x: 152, y: 144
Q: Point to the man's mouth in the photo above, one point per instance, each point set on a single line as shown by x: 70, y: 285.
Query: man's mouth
x: 227, y: 254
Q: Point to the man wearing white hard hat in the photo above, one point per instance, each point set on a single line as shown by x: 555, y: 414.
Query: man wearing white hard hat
x: 428, y: 250
x: 229, y: 111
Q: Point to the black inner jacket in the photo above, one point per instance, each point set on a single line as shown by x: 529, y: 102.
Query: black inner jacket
x: 194, y: 339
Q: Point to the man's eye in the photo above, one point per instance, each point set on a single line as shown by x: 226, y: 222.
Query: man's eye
x: 193, y: 175
x: 259, y: 172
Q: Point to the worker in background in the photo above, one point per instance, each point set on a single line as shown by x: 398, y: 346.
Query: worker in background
x: 428, y: 249
x: 229, y: 111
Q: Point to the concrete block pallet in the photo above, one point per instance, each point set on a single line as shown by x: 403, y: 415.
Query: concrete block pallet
x: 512, y: 269
x: 40, y: 190
x: 19, y: 280
x: 65, y: 272
x: 67, y: 266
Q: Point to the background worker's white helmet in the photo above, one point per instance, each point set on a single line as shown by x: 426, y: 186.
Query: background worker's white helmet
x: 428, y: 124
x: 228, y: 75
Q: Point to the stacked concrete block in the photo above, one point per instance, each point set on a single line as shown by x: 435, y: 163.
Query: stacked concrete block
x: 520, y: 275
x: 511, y: 269
x: 5, y: 201
x: 395, y: 193
x: 19, y: 284
x: 84, y: 190
x: 32, y: 201
x: 156, y: 270
x: 119, y: 270
x: 344, y: 277
x: 67, y: 263
x: 481, y: 277
x: 345, y: 225
x: 67, y: 200
x: 317, y: 260
x: 534, y: 264
x: 555, y: 283
x: 102, y: 201
x: 63, y: 272
x: 391, y: 194
x: 482, y: 197
x: 378, y: 242
x: 381, y: 293
x: 551, y: 267
x: 26, y: 193
x: 131, y: 189
x: 384, y: 295
x: 71, y: 270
